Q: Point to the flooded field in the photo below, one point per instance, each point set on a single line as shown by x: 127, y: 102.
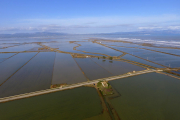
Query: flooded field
x: 66, y: 70
x: 91, y: 69
x: 6, y: 55
x: 10, y: 66
x: 133, y: 58
x: 24, y: 47
x: 34, y: 64
x: 174, y: 61
x: 35, y: 75
x: 38, y: 63
x: 79, y: 103
x: 117, y: 67
x: 147, y: 97
x: 174, y: 51
x: 66, y: 46
x: 96, y: 48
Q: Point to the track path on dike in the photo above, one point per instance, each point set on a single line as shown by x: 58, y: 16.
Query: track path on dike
x: 31, y: 94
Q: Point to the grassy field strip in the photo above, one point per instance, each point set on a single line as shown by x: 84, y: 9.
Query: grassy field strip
x: 31, y: 94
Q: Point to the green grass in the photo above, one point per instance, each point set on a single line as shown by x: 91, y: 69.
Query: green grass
x: 110, y: 58
x: 104, y: 57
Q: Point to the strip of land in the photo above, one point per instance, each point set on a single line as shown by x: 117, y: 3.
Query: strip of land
x: 31, y: 94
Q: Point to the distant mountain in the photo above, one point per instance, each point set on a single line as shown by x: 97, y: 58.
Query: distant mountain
x: 49, y: 34
x: 37, y: 34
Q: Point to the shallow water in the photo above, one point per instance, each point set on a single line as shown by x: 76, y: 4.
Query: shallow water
x: 6, y: 55
x: 96, y: 48
x: 66, y: 70
x: 24, y: 47
x: 2, y: 59
x: 161, y: 58
x: 11, y: 65
x: 4, y: 45
x: 117, y: 67
x: 147, y: 97
x: 91, y: 69
x: 132, y: 58
x: 65, y: 46
x: 173, y: 51
x: 34, y: 76
x: 78, y: 103
x: 120, y: 44
x: 116, y: 44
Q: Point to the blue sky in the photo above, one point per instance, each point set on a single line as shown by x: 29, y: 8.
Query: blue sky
x: 88, y: 16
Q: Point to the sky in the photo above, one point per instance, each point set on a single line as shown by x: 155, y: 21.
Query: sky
x: 88, y: 16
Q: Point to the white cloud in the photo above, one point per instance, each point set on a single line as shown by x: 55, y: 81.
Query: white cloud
x: 174, y: 27
x: 102, y: 21
x: 97, y: 24
x: 160, y: 28
x: 149, y: 28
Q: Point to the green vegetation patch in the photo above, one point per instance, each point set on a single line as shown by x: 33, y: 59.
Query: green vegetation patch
x: 104, y: 87
x: 110, y: 58
x: 104, y: 57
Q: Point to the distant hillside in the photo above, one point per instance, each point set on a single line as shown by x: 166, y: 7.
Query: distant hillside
x: 49, y: 34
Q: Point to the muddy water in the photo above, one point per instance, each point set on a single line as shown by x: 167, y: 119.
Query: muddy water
x: 149, y: 96
x: 91, y: 69
x: 11, y: 65
x: 117, y: 67
x: 35, y: 75
x: 66, y: 70
x: 78, y: 103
